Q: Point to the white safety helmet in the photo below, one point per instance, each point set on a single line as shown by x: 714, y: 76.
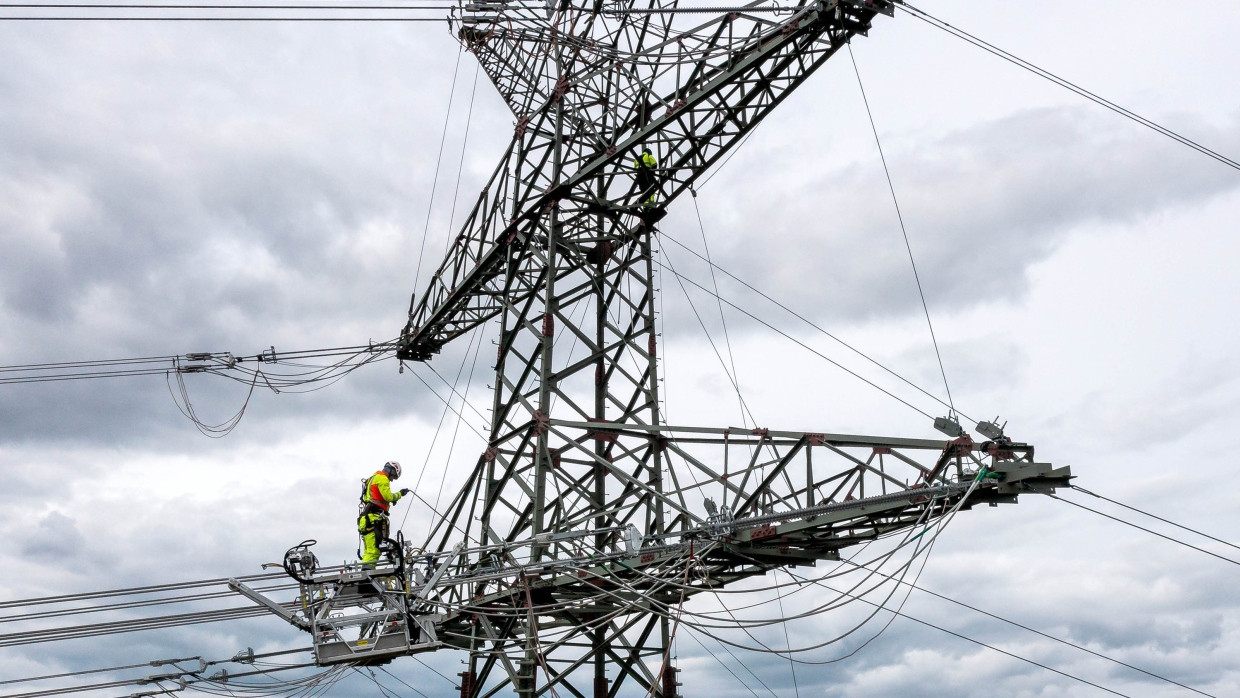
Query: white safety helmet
x: 392, y: 468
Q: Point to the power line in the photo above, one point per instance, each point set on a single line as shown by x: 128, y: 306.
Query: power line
x: 807, y: 321
x: 900, y: 217
x: 269, y: 361
x: 1040, y: 72
x: 803, y: 345
x: 1152, y: 516
x: 1142, y: 528
x: 1042, y: 634
x: 134, y: 590
x: 976, y: 642
x: 247, y: 657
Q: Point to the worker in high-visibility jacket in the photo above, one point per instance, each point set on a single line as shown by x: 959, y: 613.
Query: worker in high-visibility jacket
x: 377, y: 499
x: 647, y: 177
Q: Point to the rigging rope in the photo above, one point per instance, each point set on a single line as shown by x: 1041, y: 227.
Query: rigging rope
x: 900, y: 216
x: 722, y: 320
x: 811, y: 324
x: 803, y: 345
x: 435, y: 178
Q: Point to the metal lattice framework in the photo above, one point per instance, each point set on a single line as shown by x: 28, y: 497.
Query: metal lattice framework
x: 558, y: 249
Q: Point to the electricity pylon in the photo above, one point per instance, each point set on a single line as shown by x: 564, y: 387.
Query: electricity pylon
x: 587, y: 517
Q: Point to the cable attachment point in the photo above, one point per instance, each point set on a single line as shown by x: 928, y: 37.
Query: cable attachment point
x: 718, y: 521
x: 949, y: 426
x: 992, y: 430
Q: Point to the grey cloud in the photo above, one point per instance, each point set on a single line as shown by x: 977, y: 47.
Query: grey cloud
x: 55, y: 536
x: 224, y: 199
x: 981, y: 205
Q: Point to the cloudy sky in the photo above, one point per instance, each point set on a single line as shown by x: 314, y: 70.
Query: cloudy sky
x: 182, y: 187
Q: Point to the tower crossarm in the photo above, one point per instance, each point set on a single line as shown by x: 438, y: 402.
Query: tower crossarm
x: 590, y: 90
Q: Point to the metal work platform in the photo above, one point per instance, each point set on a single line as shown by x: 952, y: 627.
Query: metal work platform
x: 590, y: 576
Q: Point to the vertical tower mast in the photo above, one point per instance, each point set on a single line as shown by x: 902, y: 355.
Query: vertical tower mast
x: 558, y: 248
x: 587, y: 519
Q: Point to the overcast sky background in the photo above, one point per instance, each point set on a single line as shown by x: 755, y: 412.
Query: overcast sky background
x: 178, y: 187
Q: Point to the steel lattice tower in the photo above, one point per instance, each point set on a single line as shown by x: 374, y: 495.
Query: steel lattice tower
x: 558, y: 249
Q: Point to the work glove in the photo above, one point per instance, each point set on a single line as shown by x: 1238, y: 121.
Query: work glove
x: 404, y: 492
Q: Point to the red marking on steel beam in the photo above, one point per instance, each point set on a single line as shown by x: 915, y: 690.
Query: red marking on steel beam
x: 522, y: 123
x: 540, y: 422
x: 491, y: 453
x: 816, y: 439
x: 882, y: 450
x: 761, y: 431
x: 548, y: 325
x: 468, y: 679
x: 762, y: 532
x: 651, y: 345
x: 646, y: 557
x: 669, y: 680
x: 998, y: 452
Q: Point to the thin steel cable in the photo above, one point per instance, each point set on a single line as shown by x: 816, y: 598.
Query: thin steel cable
x: 456, y: 428
x: 692, y: 634
x: 792, y: 666
x: 1142, y: 528
x: 722, y: 320
x: 992, y: 647
x: 714, y: 347
x: 154, y: 588
x: 221, y: 19
x: 1152, y: 516
x: 443, y: 416
x: 1048, y: 636
x: 417, y: 276
x: 900, y: 217
x: 460, y: 168
x: 805, y: 346
x: 1072, y: 87
x: 815, y: 326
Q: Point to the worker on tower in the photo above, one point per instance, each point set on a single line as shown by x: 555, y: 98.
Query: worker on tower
x: 647, y: 177
x: 377, y: 498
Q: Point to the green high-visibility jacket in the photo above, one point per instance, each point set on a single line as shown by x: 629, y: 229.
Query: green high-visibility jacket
x: 379, y: 491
